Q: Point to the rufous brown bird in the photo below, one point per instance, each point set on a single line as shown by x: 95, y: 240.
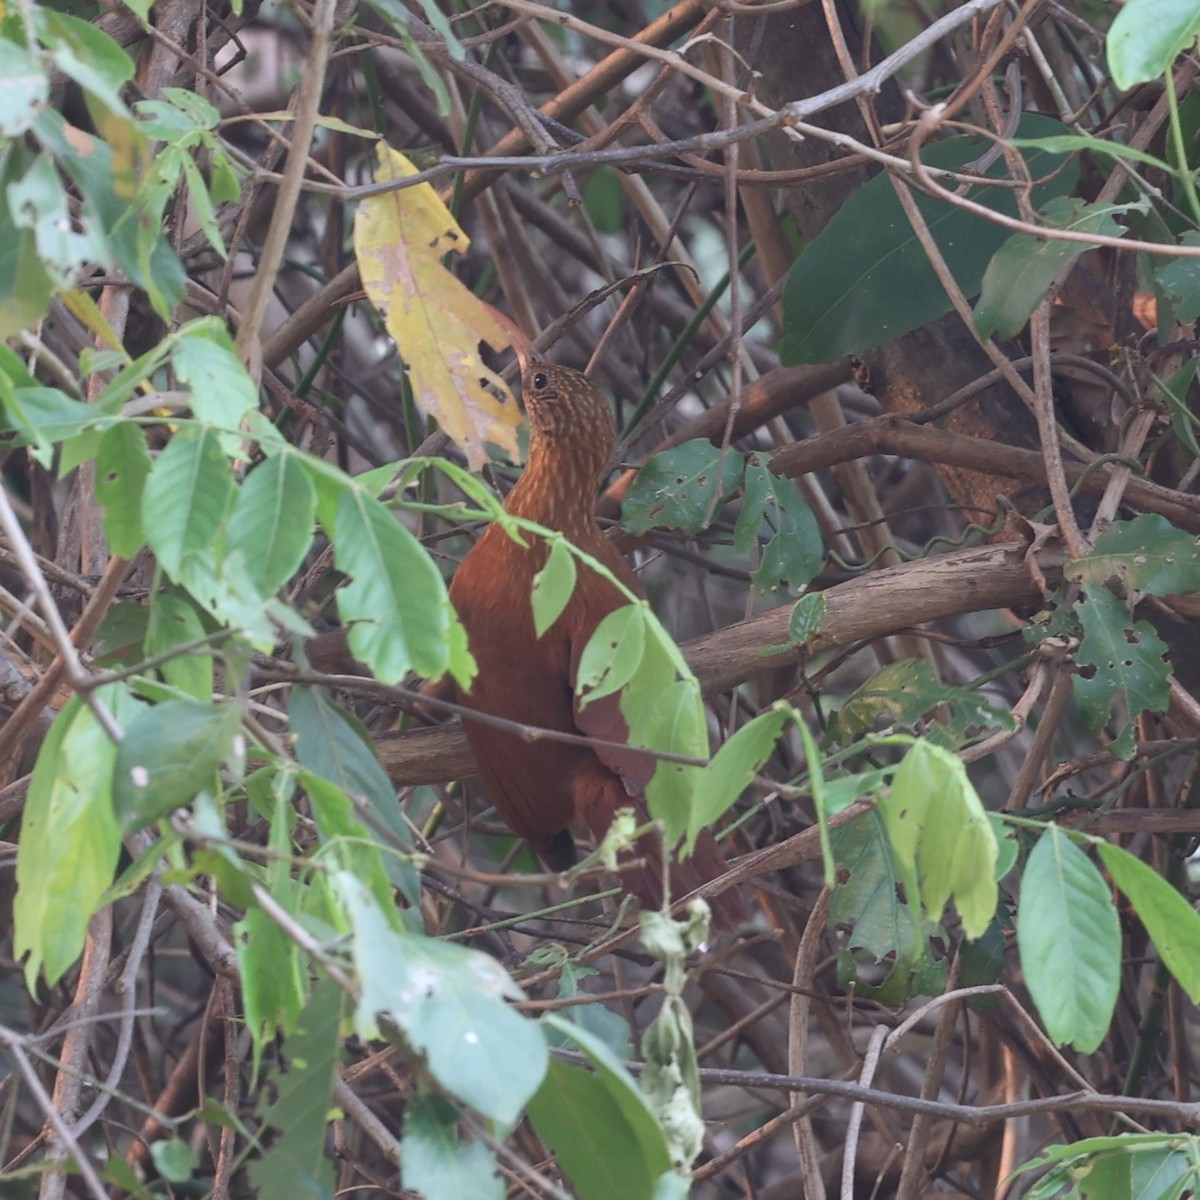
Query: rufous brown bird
x: 541, y: 788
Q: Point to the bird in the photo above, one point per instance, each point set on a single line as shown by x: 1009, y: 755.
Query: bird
x: 543, y: 788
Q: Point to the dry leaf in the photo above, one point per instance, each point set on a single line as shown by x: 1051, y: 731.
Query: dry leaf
x: 436, y: 322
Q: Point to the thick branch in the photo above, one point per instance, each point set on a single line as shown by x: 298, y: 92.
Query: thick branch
x: 896, y: 435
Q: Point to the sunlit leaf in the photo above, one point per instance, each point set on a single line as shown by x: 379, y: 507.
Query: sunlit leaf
x: 940, y: 831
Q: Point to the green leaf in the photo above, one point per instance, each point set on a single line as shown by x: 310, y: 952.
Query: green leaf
x: 1125, y: 656
x: 867, y: 898
x: 38, y: 202
x: 25, y: 285
x: 26, y: 88
x: 938, y: 827
x: 186, y: 497
x: 70, y: 839
x: 1165, y: 1174
x: 446, y: 1004
x: 90, y: 57
x: 682, y: 488
x: 841, y: 294
x: 110, y: 185
x: 1147, y: 554
x: 1172, y: 393
x: 272, y: 521
x: 623, y: 1090
x: 274, y: 976
x: 578, y: 1115
x: 1179, y: 280
x: 807, y: 619
x: 436, y: 1163
x: 1022, y: 270
x: 45, y: 415
x: 905, y: 693
x: 613, y: 653
x: 395, y: 604
x: 122, y: 465
x: 604, y: 199
x: 295, y: 1165
x: 202, y: 202
x: 553, y: 586
x: 120, y: 640
x: 368, y: 852
x: 204, y: 358
x: 171, y: 752
x: 675, y: 725
x: 175, y: 622
x: 1070, y: 942
x: 1147, y: 36
x: 794, y: 550
x: 1169, y: 918
x: 735, y: 764
x: 1071, y: 143
x: 331, y: 744
x: 173, y: 1160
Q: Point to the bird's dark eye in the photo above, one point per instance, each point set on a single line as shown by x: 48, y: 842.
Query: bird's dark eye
x: 541, y: 380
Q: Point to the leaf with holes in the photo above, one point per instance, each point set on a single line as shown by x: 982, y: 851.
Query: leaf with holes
x: 1147, y: 554
x: 884, y: 927
x: 1123, y: 656
x: 682, y: 488
x: 774, y: 503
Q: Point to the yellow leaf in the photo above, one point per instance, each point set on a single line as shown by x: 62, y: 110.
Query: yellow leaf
x: 436, y: 322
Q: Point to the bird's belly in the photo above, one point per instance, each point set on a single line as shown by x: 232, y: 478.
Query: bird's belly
x: 530, y: 779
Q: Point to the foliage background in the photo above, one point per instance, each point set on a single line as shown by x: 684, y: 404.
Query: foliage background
x: 228, y: 855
